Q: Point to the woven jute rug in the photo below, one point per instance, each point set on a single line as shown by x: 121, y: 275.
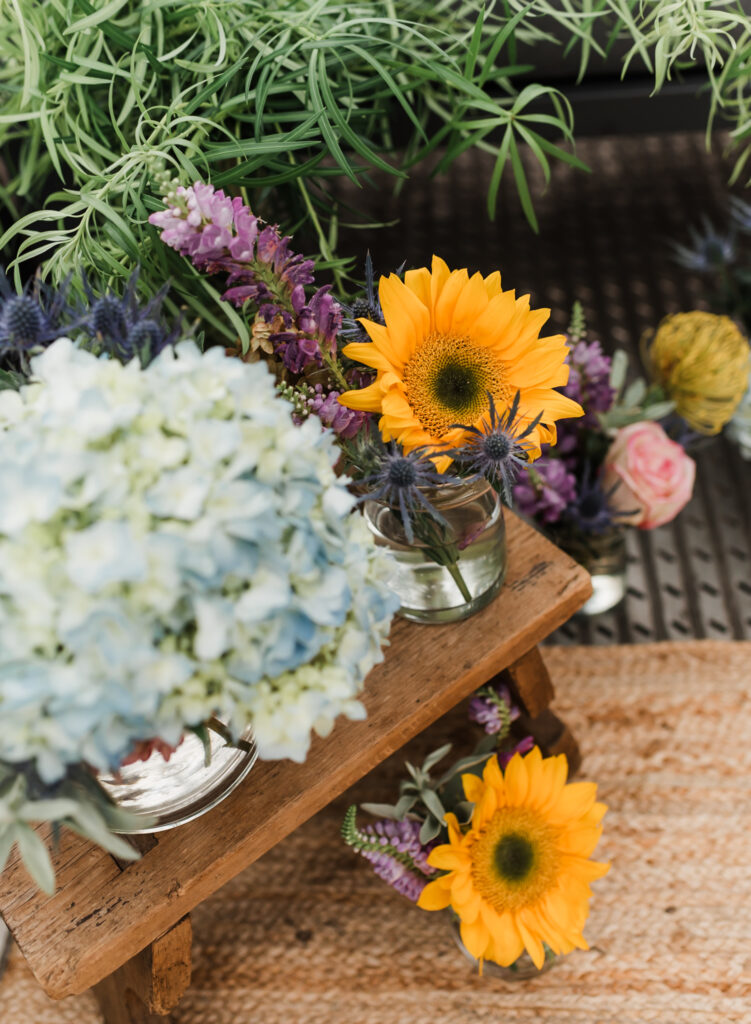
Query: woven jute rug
x: 309, y: 935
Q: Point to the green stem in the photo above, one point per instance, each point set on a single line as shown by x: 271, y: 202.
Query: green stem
x: 456, y: 576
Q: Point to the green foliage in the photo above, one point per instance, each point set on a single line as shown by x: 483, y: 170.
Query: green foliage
x: 99, y: 102
x: 634, y: 402
x: 274, y: 101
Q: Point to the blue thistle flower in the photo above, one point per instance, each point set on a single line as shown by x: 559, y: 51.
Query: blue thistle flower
x: 708, y: 251
x: 591, y: 510
x: 400, y: 480
x: 33, y: 318
x: 126, y: 329
x: 498, y: 450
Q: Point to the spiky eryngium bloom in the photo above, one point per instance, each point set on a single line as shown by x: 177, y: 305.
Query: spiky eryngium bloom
x: 709, y: 250
x: 34, y: 317
x: 124, y: 328
x: 401, y: 479
x: 499, y: 448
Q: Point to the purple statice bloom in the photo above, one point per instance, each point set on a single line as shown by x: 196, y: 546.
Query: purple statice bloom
x: 545, y: 489
x: 220, y: 235
x: 589, y: 380
x: 522, y: 747
x: 403, y: 862
x: 485, y: 711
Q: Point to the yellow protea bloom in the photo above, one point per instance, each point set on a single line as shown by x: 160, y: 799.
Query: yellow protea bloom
x: 701, y: 361
x: 520, y: 876
x: 448, y: 341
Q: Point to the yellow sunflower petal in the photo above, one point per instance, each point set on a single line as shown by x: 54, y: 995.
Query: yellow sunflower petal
x: 580, y: 841
x: 446, y: 301
x: 368, y: 354
x: 517, y: 781
x: 475, y: 937
x: 504, y: 935
x: 418, y: 281
x: 407, y: 319
x: 527, y: 925
x: 446, y: 858
x: 493, y: 284
x: 452, y: 824
x: 473, y: 788
x: 486, y: 808
x: 434, y: 897
x: 575, y: 801
x: 471, y: 303
x: 365, y: 399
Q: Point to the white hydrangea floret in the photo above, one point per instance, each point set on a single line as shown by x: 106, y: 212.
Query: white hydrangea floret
x: 172, y: 546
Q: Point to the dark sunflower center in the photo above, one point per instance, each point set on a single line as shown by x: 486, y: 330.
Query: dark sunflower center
x: 447, y: 381
x: 456, y: 386
x: 514, y: 857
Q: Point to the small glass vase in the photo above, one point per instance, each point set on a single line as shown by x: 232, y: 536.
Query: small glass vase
x: 604, y: 558
x: 435, y: 593
x: 162, y: 794
x: 520, y: 970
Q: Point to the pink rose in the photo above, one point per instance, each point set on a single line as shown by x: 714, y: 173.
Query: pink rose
x: 654, y: 476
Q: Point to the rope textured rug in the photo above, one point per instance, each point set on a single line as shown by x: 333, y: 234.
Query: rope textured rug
x: 309, y: 935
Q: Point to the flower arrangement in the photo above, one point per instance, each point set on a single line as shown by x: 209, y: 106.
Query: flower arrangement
x: 499, y: 838
x: 616, y: 466
x: 172, y: 547
x: 443, y: 380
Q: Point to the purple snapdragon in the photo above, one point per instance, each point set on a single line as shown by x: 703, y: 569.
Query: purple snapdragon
x: 544, y: 490
x: 220, y: 235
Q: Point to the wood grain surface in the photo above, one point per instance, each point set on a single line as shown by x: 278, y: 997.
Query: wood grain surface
x: 102, y: 915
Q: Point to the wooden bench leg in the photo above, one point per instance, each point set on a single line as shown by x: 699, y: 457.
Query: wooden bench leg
x: 148, y: 987
x: 530, y: 684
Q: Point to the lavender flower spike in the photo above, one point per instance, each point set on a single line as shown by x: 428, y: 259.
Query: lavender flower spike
x: 395, y: 851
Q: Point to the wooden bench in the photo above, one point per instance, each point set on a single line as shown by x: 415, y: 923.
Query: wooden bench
x: 123, y: 928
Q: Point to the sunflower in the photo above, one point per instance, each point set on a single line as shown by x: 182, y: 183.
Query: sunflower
x: 447, y: 342
x: 519, y: 877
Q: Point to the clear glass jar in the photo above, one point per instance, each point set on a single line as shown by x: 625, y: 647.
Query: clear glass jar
x: 604, y: 558
x: 430, y: 592
x: 520, y: 970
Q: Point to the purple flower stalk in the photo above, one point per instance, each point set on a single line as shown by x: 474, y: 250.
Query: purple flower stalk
x: 545, y: 489
x: 485, y: 709
x: 589, y: 380
x: 395, y: 851
x: 221, y: 235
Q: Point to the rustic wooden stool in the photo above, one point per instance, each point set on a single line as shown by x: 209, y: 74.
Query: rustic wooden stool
x: 123, y: 927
